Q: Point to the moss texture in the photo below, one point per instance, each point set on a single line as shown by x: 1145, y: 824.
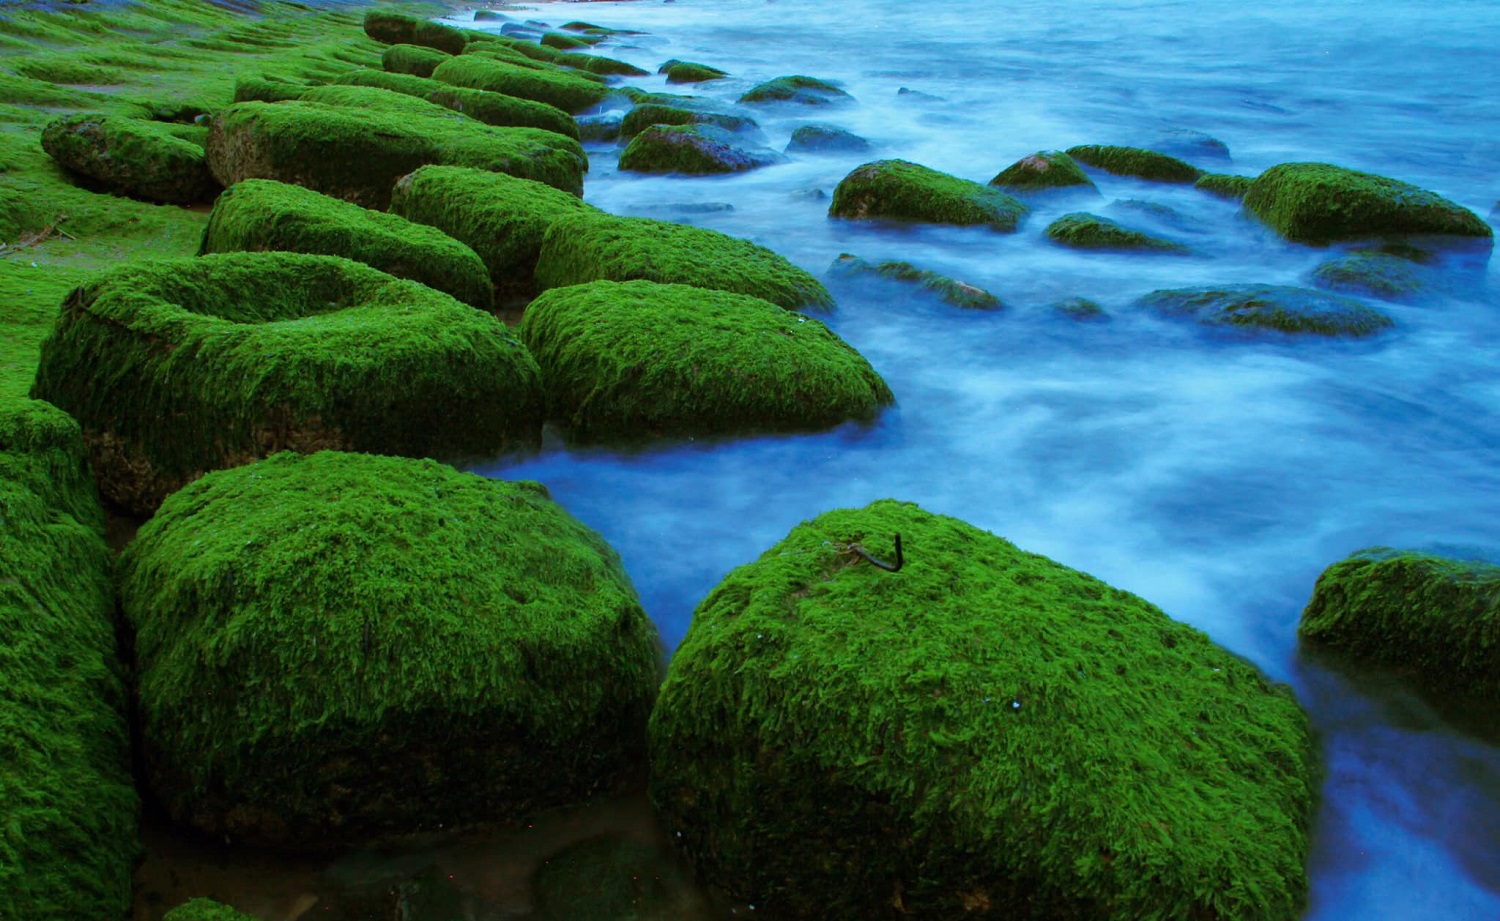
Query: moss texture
x: 1137, y: 162
x: 1373, y: 274
x: 821, y: 138
x: 1082, y: 230
x: 1043, y: 170
x: 138, y: 158
x: 641, y: 117
x: 1430, y: 617
x: 178, y: 367
x: 204, y: 910
x: 491, y: 108
x: 633, y: 360
x: 68, y: 809
x: 258, y: 214
x: 394, y: 28
x: 688, y: 72
x: 262, y: 89
x: 598, y: 64
x: 985, y: 734
x: 1224, y: 185
x: 334, y: 646
x: 903, y: 191
x: 358, y: 154
x: 562, y: 41
x: 415, y: 60
x: 693, y: 150
x: 809, y: 91
x: 565, y: 90
x: 1274, y: 307
x: 948, y: 290
x: 596, y: 246
x: 1318, y: 203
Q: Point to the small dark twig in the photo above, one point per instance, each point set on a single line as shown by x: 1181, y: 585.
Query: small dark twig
x: 880, y: 564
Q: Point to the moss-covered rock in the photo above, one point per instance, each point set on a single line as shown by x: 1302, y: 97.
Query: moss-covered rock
x: 808, y: 91
x: 903, y: 191
x: 594, y: 247
x: 415, y: 60
x: 501, y: 217
x: 358, y: 155
x: 1376, y: 274
x: 825, y: 139
x: 627, y: 360
x: 68, y: 808
x: 600, y: 128
x: 1081, y: 309
x: 948, y: 290
x: 1318, y: 203
x: 689, y: 72
x: 598, y: 64
x: 1043, y: 170
x: 1081, y: 230
x: 1276, y: 307
x: 641, y: 117
x: 131, y: 156
x: 1224, y: 185
x: 564, y: 41
x: 691, y: 149
x: 182, y: 366
x: 259, y: 214
x: 400, y: 29
x: 1137, y: 162
x: 204, y: 910
x: 984, y: 734
x: 521, y: 46
x: 335, y: 646
x: 567, y: 90
x: 491, y: 108
x: 1433, y: 618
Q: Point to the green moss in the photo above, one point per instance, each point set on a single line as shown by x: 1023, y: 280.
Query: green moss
x: 25, y: 91
x: 526, y: 49
x: 985, y: 734
x: 1318, y: 203
x: 903, y: 191
x: 336, y: 646
x: 262, y: 89
x: 568, y: 91
x: 641, y: 117
x: 1274, y: 307
x: 204, y: 910
x: 948, y: 290
x: 357, y: 155
x: 1043, y: 170
x: 416, y: 60
x: 596, y: 246
x: 399, y: 29
x: 630, y: 360
x: 597, y: 64
x: 491, y: 108
x: 688, y: 72
x: 1370, y: 273
x: 564, y: 42
x: 178, y: 367
x: 258, y: 215
x: 68, y: 810
x: 137, y: 158
x: 1137, y: 162
x: 62, y: 68
x: 1224, y: 186
x: 690, y: 149
x: 798, y: 89
x: 1430, y: 617
x: 1082, y: 230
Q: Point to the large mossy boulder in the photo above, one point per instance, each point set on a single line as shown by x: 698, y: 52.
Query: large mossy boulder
x: 131, y: 156
x: 1081, y: 230
x: 1281, y: 308
x: 689, y: 72
x: 1136, y: 162
x: 205, y: 910
x: 693, y: 150
x: 182, y: 366
x: 983, y: 734
x: 903, y: 191
x: 491, y: 108
x: 798, y: 89
x: 357, y: 155
x: 597, y: 246
x: 334, y: 647
x: 414, y: 60
x: 1318, y: 203
x: 503, y: 218
x: 637, y: 359
x: 68, y: 807
x: 394, y: 28
x: 1043, y: 171
x: 1431, y: 617
x: 566, y: 90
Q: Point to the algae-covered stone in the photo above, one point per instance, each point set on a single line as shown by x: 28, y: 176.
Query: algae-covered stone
x: 641, y: 117
x: 1043, y: 170
x: 1276, y: 307
x: 1082, y: 230
x: 688, y: 72
x: 358, y: 155
x: 501, y: 217
x: 260, y: 214
x: 808, y: 91
x: 825, y: 138
x: 565, y: 42
x: 182, y: 366
x: 1081, y: 309
x: 598, y: 64
x: 596, y: 246
x: 565, y: 89
x: 401, y: 29
x: 68, y: 807
x: 903, y: 191
x: 691, y: 149
x: 1318, y: 203
x: 262, y: 89
x: 1137, y: 162
x: 132, y: 156
x: 1376, y: 274
x: 626, y: 360
x: 335, y: 646
x: 983, y: 734
x: 600, y: 128
x: 415, y: 60
x: 948, y: 290
x: 1432, y: 617
x: 491, y: 108
x: 204, y: 910
x: 1224, y: 185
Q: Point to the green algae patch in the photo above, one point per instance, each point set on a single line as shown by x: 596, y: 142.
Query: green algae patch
x: 1317, y: 203
x: 264, y: 89
x: 1224, y: 185
x: 633, y: 360
x: 1137, y: 162
x: 1081, y: 230
x: 392, y: 28
x: 1043, y: 171
x: 948, y: 290
x: 597, y: 247
x: 1432, y: 618
x: 798, y: 89
x: 903, y: 191
x: 564, y: 89
x: 204, y: 910
x: 1281, y: 308
x: 600, y: 65
x: 258, y: 215
x: 68, y: 810
x: 641, y: 117
x: 1373, y: 274
x: 984, y: 734
x: 689, y: 72
x: 334, y: 647
x: 132, y: 156
x: 178, y: 367
x: 491, y: 108
x: 414, y: 60
x: 693, y: 150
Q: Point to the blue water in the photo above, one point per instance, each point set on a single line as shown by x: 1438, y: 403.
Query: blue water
x: 1214, y: 474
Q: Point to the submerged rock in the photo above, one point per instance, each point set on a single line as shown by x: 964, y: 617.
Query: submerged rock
x: 1276, y: 307
x: 1045, y: 169
x: 1185, y: 142
x: 1080, y: 308
x: 983, y: 734
x: 1137, y: 162
x: 1318, y: 203
x: 1376, y: 274
x: 1225, y: 186
x: 131, y: 156
x: 948, y: 290
x: 825, y: 138
x: 692, y: 149
x: 1082, y: 230
x: 904, y: 191
x: 600, y: 127
x: 808, y: 91
x: 609, y: 878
